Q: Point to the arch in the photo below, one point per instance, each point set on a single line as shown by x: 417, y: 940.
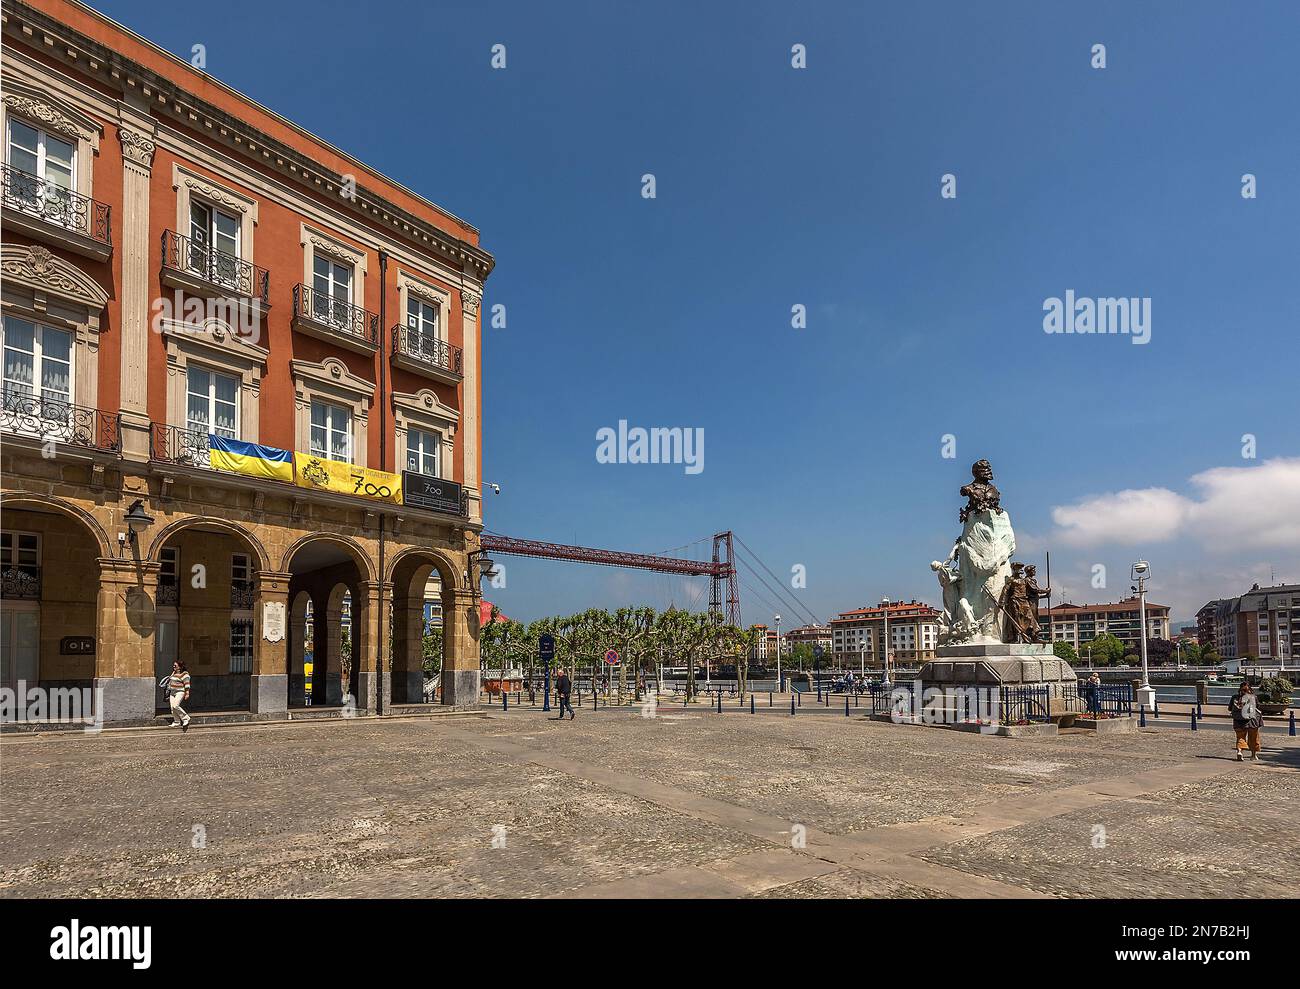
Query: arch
x: 37, y: 268
x: 226, y: 526
x: 347, y: 543
x: 15, y: 500
x: 451, y: 575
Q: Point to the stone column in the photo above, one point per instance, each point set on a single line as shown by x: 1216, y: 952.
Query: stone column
x: 269, y: 690
x: 124, y: 653
x: 369, y: 622
x: 135, y: 133
x: 408, y: 649
x: 460, y: 660
x: 470, y: 297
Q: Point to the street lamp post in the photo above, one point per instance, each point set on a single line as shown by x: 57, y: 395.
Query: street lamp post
x: 1141, y: 573
x: 779, y: 682
x: 884, y: 660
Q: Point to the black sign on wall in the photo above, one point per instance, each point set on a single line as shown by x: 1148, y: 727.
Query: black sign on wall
x: 77, y: 645
x: 423, y: 491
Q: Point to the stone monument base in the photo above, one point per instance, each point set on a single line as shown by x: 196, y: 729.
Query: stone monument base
x: 993, y: 666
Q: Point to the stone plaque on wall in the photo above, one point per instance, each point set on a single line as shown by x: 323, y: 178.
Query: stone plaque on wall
x: 273, y: 621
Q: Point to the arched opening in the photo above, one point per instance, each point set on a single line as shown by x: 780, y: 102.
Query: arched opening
x: 328, y: 637
x: 49, y: 582
x: 207, y: 590
x: 424, y: 640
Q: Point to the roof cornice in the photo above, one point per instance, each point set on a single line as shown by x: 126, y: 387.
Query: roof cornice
x: 86, y: 55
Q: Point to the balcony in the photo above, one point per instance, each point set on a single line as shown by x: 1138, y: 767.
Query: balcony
x: 44, y: 419
x: 174, y: 445
x: 51, y: 213
x: 204, y: 271
x: 435, y: 359
x: 334, y: 320
x: 242, y: 595
x: 169, y: 593
x: 21, y: 583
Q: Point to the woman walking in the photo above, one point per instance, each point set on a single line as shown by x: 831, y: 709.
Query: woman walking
x: 1246, y: 721
x: 178, y: 690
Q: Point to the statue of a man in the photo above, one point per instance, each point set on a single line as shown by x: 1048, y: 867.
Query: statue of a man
x: 1020, y: 625
x: 1035, y: 592
x: 980, y: 494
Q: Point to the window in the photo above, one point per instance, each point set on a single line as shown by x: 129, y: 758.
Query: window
x: 211, y: 402
x: 50, y: 162
x: 331, y: 432
x: 421, y: 327
x: 422, y: 452
x: 239, y: 567
x: 331, y: 291
x: 21, y: 551
x: 214, y: 244
x: 36, y: 354
x: 241, y: 645
x: 170, y: 565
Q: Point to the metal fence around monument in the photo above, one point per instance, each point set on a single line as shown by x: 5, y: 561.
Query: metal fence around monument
x: 1025, y: 704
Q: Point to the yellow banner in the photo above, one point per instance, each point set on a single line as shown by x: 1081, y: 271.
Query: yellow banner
x: 330, y: 475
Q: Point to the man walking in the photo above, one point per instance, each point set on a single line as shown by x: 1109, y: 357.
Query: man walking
x: 563, y: 688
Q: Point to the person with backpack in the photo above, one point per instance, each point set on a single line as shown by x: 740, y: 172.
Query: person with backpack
x: 563, y: 688
x: 177, y: 688
x: 1246, y: 721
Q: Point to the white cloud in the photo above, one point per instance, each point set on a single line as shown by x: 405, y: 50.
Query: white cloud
x: 1233, y: 508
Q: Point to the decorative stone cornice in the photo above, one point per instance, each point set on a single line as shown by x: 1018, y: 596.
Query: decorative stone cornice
x: 48, y: 115
x: 216, y: 194
x: 35, y: 267
x: 81, y: 53
x: 136, y: 147
x: 469, y: 302
x: 422, y: 291
x: 334, y: 250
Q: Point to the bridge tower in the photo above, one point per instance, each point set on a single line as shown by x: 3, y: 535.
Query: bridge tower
x: 724, y: 570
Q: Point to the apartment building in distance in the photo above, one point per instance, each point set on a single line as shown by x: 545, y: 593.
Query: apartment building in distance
x: 811, y: 635
x: 858, y: 637
x: 765, y: 646
x: 1263, y: 623
x: 241, y: 373
x: 1077, y: 624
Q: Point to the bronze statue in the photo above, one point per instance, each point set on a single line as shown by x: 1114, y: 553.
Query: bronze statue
x: 1020, y: 623
x: 981, y: 495
x: 1035, y: 593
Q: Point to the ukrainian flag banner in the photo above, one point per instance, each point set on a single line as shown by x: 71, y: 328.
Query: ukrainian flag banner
x: 250, y: 459
x: 362, y: 482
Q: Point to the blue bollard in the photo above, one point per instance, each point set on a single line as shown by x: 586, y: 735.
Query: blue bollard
x: 819, y: 692
x: 1155, y: 708
x: 1142, y: 716
x: 719, y: 701
x: 800, y: 696
x: 846, y: 705
x: 505, y: 701
x: 769, y: 698
x: 1199, y: 712
x: 1291, y: 729
x: 751, y: 703
x: 792, y: 703
x: 1193, y: 721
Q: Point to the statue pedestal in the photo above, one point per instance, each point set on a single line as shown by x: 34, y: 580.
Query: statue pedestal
x: 1006, y: 664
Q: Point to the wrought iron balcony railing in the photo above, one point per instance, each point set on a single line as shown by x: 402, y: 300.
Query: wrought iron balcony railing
x: 41, y: 198
x: 428, y: 351
x: 169, y: 594
x: 21, y: 583
x: 217, y: 268
x: 174, y: 445
x: 54, y: 419
x: 242, y: 594
x: 335, y: 314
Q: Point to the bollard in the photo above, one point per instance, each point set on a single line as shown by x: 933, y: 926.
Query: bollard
x: 1155, y: 708
x: 1142, y: 716
x: 594, y: 700
x: 819, y: 693
x: 769, y: 698
x: 846, y: 705
x: 1291, y: 729
x: 792, y: 703
x: 719, y: 700
x: 800, y: 696
x: 505, y: 701
x: 1193, y: 721
x: 1199, y: 713
x: 686, y: 699
x: 751, y: 708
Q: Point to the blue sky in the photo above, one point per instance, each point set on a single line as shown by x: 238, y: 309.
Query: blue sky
x: 821, y: 187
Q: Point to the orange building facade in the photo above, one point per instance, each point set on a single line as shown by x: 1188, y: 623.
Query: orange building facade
x: 241, y: 392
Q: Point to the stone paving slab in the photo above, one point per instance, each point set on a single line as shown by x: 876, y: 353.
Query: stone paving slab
x: 615, y: 805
